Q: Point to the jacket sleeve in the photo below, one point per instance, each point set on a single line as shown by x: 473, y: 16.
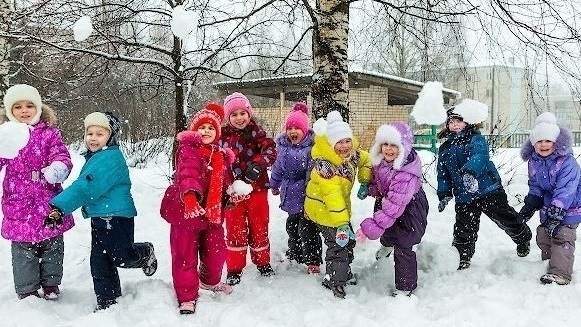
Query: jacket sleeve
x: 478, y: 156
x: 534, y: 187
x: 276, y: 175
x: 566, y: 184
x: 58, y: 151
x: 267, y: 154
x: 396, y: 200
x: 189, y: 170
x: 364, y: 168
x: 444, y: 178
x: 94, y: 181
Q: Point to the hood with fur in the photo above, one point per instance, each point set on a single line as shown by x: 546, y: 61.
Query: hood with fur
x: 47, y: 114
x: 563, y: 144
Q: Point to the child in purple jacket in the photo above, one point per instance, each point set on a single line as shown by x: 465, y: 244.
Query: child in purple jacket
x: 554, y: 190
x: 289, y: 179
x: 32, y: 179
x: 401, y: 222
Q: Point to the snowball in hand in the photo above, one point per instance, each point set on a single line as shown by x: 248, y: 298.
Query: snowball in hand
x: 13, y: 137
x: 82, y: 28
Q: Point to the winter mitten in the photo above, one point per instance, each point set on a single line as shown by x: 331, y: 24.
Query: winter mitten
x: 443, y: 203
x: 343, y: 235
x: 56, y: 172
x: 252, y: 172
x: 235, y: 198
x: 470, y: 183
x: 363, y: 191
x: 192, y: 208
x: 532, y: 204
x: 555, y: 216
x: 54, y: 218
x: 275, y: 191
x: 360, y: 237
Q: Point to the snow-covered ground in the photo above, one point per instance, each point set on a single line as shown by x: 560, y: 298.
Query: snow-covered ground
x: 499, y: 289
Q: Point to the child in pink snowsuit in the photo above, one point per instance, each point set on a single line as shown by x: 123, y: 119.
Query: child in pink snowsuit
x: 198, y: 249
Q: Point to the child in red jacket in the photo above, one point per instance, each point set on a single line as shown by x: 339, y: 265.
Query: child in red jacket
x: 247, y: 222
x: 196, y: 223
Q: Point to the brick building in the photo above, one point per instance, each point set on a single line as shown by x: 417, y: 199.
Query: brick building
x: 374, y: 99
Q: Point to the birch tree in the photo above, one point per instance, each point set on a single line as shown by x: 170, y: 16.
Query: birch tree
x: 5, y: 22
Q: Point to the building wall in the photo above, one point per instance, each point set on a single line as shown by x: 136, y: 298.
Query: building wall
x: 368, y: 110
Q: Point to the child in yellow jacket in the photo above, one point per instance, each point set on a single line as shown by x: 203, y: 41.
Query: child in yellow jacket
x: 337, y: 161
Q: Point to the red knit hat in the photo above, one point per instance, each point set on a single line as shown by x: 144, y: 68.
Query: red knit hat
x: 298, y: 117
x: 212, y: 113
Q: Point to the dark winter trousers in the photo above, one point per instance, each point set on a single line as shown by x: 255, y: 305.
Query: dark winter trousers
x: 37, y: 264
x: 111, y: 247
x: 304, y: 242
x: 495, y: 206
x: 559, y: 250
x: 247, y: 225
x: 337, y: 258
x: 187, y: 244
x: 407, y: 231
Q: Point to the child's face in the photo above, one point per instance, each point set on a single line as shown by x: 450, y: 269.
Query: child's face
x: 208, y: 133
x: 24, y: 111
x: 344, y: 147
x: 96, y: 138
x: 545, y: 147
x: 390, y: 151
x: 456, y: 125
x: 239, y: 118
x: 294, y: 134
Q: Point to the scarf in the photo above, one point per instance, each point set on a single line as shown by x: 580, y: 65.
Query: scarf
x: 216, y: 185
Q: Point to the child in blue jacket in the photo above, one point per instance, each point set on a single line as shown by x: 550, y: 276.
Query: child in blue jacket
x: 103, y: 190
x: 466, y: 172
x: 554, y: 190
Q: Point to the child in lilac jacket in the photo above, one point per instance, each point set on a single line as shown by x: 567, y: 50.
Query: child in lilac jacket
x: 401, y: 222
x: 554, y: 190
x: 32, y: 179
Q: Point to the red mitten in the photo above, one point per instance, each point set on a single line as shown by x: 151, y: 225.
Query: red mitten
x: 192, y: 208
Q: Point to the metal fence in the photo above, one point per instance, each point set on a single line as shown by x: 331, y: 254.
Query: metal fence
x: 515, y: 140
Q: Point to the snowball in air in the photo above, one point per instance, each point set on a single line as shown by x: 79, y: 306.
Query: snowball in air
x: 82, y: 28
x: 183, y: 22
x: 429, y: 107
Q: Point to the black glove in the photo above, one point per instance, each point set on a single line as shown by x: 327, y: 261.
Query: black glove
x: 532, y: 204
x: 443, y: 203
x: 555, y: 216
x: 54, y: 218
x: 252, y: 172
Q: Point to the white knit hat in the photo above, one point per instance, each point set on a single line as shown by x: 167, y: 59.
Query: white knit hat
x: 20, y: 92
x: 337, y: 129
x: 545, y: 128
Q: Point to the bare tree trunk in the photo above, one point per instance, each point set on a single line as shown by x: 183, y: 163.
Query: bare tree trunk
x: 5, y: 22
x: 330, y: 86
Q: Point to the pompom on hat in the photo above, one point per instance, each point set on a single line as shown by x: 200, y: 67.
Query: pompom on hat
x: 337, y: 129
x: 298, y: 117
x: 20, y: 92
x: 106, y: 120
x: 212, y: 113
x: 545, y: 128
x: 236, y: 101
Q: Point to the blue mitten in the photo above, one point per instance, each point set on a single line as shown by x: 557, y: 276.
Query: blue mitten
x: 363, y: 191
x: 555, y: 216
x: 344, y: 233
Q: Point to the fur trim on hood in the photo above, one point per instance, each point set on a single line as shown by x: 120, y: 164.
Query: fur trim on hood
x: 47, y: 114
x: 397, y: 133
x: 563, y: 144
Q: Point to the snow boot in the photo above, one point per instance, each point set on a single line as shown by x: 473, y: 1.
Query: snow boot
x: 188, y: 307
x: 266, y: 270
x: 233, y: 278
x: 523, y: 249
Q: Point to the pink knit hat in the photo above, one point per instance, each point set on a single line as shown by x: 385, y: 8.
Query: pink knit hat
x: 298, y: 117
x: 234, y: 102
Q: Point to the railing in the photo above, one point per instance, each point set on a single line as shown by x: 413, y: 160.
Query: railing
x: 514, y: 140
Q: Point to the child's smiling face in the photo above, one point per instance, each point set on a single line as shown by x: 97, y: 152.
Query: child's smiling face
x: 239, y: 118
x: 208, y: 133
x: 96, y: 137
x: 24, y: 111
x: 344, y: 147
x: 389, y: 151
x: 544, y: 147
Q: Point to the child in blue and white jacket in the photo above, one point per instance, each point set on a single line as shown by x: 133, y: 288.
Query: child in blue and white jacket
x: 554, y: 190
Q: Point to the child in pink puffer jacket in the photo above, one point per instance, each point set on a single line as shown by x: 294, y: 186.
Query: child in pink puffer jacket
x: 33, y: 177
